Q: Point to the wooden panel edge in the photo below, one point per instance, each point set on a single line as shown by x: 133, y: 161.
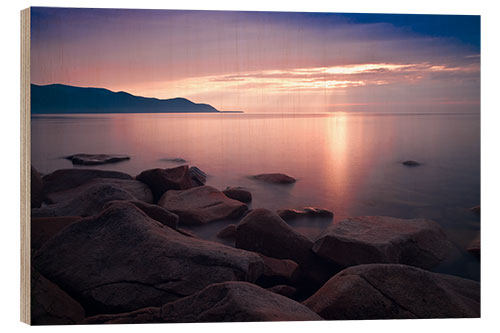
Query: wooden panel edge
x: 25, y: 167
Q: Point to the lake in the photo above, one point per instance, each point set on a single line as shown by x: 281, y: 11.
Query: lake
x: 347, y: 163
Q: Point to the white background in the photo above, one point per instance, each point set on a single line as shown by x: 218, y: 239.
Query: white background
x: 490, y: 162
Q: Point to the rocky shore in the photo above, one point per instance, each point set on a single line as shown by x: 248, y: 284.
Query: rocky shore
x: 108, y: 247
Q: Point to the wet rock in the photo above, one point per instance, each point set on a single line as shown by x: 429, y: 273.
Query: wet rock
x: 379, y: 239
x: 153, y: 211
x: 238, y: 193
x: 201, y: 205
x: 36, y: 189
x: 96, y: 159
x: 198, y: 177
x: 410, y: 163
x: 274, y: 178
x: 138, y: 189
x: 162, y: 180
x: 474, y: 246
x: 284, y: 290
x: 50, y: 305
x: 291, y: 214
x: 122, y: 260
x: 65, y: 179
x: 44, y: 228
x: 228, y: 232
x: 390, y: 291
x: 89, y: 202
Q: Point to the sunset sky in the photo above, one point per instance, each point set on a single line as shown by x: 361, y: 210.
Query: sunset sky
x: 265, y: 62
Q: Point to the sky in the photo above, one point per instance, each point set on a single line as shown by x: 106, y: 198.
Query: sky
x: 275, y: 62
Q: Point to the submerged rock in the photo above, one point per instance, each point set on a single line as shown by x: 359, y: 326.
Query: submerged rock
x: 379, y: 239
x: 389, y: 291
x: 162, y: 180
x: 122, y: 260
x: 201, y: 205
x: 410, y: 163
x: 220, y: 302
x: 52, y: 306
x: 65, y: 179
x: 174, y: 159
x: 238, y: 193
x: 138, y: 189
x: 96, y: 159
x: 275, y: 178
x: 291, y: 214
x: 44, y: 228
x: 36, y: 189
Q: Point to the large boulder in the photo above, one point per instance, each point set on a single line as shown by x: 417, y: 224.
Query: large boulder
x: 201, y: 205
x: 64, y: 179
x: 379, y: 239
x: 313, y: 212
x: 122, y: 260
x: 138, y: 189
x: 238, y: 193
x: 274, y: 178
x: 153, y: 211
x: 44, y: 228
x: 50, y: 305
x: 36, y: 189
x: 387, y: 291
x: 162, y: 180
x: 198, y: 176
x: 87, y: 203
x: 96, y: 159
x: 220, y: 302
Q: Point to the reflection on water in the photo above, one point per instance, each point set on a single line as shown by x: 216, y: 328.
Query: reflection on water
x: 350, y: 164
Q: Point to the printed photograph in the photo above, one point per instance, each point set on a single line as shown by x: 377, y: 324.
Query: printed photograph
x: 230, y: 166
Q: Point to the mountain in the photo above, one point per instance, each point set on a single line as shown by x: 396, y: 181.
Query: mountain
x: 60, y: 98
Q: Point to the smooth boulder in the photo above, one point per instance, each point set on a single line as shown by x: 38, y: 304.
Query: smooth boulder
x: 96, y: 159
x: 380, y: 239
x: 153, y: 211
x: 198, y: 177
x: 220, y: 302
x: 162, y: 180
x: 313, y: 212
x: 65, y: 179
x: 122, y: 260
x: 36, y: 189
x: 391, y: 291
x: 274, y: 178
x: 238, y: 193
x: 138, y: 189
x: 228, y: 232
x: 44, y: 228
x: 201, y: 205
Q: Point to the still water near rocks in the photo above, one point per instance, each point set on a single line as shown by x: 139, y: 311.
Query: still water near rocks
x: 349, y: 164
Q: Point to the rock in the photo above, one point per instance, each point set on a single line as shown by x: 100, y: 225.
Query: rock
x: 284, y: 290
x: 391, y: 291
x: 187, y: 233
x: 278, y: 271
x: 122, y: 260
x: 138, y: 189
x: 291, y: 214
x: 222, y: 302
x: 275, y: 178
x: 410, y: 163
x: 198, y: 177
x: 379, y: 239
x: 476, y: 210
x: 228, y: 232
x: 148, y: 315
x: 175, y: 160
x: 44, y: 228
x: 201, y: 205
x: 96, y: 159
x: 36, y: 189
x: 263, y: 231
x: 162, y: 180
x: 64, y: 179
x: 87, y: 203
x: 474, y: 246
x: 238, y: 193
x: 50, y: 305
x: 153, y: 211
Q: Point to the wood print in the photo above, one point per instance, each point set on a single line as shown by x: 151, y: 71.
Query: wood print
x: 213, y: 166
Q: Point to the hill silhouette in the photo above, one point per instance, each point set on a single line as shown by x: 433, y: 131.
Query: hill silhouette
x: 60, y: 98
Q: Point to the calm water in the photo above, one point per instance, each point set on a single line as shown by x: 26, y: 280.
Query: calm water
x: 350, y: 164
